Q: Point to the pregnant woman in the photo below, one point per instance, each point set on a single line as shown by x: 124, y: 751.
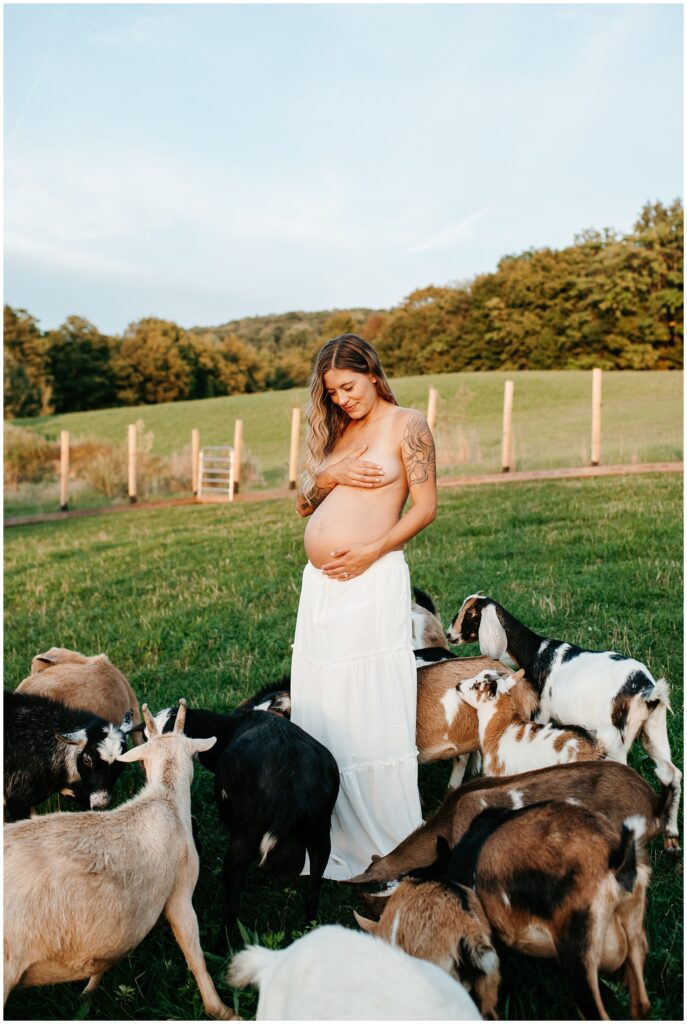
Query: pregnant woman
x: 353, y: 676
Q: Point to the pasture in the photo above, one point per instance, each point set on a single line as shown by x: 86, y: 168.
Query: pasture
x: 641, y: 419
x: 201, y: 602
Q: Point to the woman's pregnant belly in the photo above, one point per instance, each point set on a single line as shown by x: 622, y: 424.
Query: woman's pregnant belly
x: 351, y: 515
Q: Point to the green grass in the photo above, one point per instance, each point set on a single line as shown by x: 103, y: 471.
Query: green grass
x: 201, y: 602
x: 642, y: 422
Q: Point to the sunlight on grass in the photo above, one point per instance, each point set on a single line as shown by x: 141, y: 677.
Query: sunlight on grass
x: 201, y: 602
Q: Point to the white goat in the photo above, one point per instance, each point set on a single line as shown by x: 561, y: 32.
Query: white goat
x: 334, y: 973
x: 82, y: 890
x: 614, y: 697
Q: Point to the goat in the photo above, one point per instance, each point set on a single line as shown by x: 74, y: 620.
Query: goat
x: 556, y: 880
x: 275, y: 788
x: 83, y: 890
x: 509, y: 743
x: 89, y: 684
x: 275, y: 697
x: 608, y: 694
x: 446, y: 724
x: 604, y: 787
x: 444, y: 923
x: 334, y: 973
x: 428, y: 638
x: 50, y: 748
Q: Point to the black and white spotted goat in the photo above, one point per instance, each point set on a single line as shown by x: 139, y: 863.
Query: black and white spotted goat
x: 610, y: 695
x: 50, y: 748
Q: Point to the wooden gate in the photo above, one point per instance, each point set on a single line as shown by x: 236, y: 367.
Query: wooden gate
x: 216, y: 473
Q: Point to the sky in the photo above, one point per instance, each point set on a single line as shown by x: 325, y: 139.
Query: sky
x: 202, y: 163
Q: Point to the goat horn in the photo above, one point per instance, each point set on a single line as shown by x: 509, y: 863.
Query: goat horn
x: 149, y: 722
x: 181, y: 715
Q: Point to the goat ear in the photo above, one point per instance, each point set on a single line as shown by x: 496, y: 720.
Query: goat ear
x: 375, y: 903
x: 199, y: 745
x: 73, y: 739
x: 43, y: 661
x: 365, y: 923
x: 135, y: 754
x: 491, y: 634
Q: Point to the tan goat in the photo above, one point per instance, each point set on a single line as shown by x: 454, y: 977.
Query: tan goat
x: 83, y: 890
x: 86, y: 683
x: 445, y: 924
x: 446, y: 723
x: 509, y: 742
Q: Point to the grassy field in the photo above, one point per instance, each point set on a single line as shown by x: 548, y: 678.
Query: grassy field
x: 201, y: 602
x: 642, y: 422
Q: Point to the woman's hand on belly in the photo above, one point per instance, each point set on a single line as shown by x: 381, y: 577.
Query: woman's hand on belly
x: 350, y: 561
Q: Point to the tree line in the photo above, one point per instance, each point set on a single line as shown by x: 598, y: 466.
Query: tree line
x: 608, y: 300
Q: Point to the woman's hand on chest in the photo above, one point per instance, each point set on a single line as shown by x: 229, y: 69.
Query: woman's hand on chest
x: 352, y: 470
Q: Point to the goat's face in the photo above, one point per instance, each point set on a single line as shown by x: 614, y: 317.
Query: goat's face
x: 465, y: 627
x: 480, y: 689
x: 93, y: 762
x: 487, y: 687
x: 167, y: 756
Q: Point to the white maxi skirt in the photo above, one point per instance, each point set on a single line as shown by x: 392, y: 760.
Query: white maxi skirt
x: 354, y: 688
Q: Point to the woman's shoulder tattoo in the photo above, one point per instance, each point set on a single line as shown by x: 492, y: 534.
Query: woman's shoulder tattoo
x: 417, y: 448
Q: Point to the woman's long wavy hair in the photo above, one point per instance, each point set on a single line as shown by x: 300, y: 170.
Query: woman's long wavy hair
x: 326, y: 421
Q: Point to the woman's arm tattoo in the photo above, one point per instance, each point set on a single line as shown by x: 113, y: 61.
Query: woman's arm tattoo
x: 315, y: 499
x: 417, y: 448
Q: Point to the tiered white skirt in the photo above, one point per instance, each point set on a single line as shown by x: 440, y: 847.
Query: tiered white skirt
x: 354, y: 688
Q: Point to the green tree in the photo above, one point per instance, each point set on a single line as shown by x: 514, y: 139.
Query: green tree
x: 149, y: 365
x: 79, y: 360
x: 241, y: 368
x: 26, y: 381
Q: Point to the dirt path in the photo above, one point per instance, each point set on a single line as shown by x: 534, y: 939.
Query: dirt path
x: 521, y: 476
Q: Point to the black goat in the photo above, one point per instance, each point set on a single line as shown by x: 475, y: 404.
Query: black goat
x: 50, y: 748
x: 275, y: 787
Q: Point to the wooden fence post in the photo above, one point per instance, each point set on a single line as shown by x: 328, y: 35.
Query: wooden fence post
x: 195, y: 452
x: 507, y: 436
x: 432, y: 408
x: 132, y: 463
x: 293, y: 455
x: 64, y: 469
x: 596, y: 416
x: 238, y: 441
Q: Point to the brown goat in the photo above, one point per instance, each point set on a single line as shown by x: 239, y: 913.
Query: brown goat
x: 605, y: 787
x: 509, y: 742
x: 445, y: 924
x: 85, y: 683
x: 446, y: 724
x: 556, y: 880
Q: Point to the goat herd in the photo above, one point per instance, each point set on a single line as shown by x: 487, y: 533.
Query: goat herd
x: 545, y: 852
